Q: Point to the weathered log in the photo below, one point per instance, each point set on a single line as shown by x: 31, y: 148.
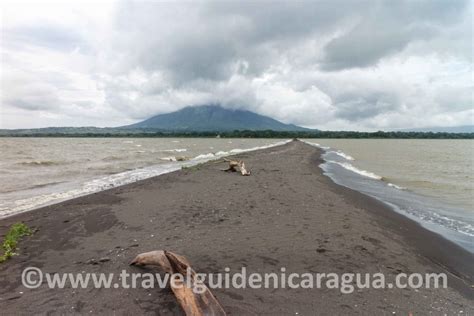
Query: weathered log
x: 194, y: 302
x: 233, y: 164
x: 243, y: 170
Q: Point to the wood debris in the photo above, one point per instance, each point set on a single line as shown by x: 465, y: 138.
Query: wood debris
x: 233, y: 164
x: 195, y: 302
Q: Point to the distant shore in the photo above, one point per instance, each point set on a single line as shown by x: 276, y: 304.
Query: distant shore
x: 95, y: 132
x: 286, y: 214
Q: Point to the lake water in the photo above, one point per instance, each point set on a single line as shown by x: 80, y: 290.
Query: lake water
x: 39, y: 171
x: 430, y: 181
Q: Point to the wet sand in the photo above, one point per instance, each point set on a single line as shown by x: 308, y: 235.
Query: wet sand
x: 286, y: 214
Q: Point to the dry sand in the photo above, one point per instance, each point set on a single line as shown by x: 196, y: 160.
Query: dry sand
x: 286, y: 214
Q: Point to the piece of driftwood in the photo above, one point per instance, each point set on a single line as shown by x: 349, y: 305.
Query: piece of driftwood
x: 233, y: 164
x: 194, y: 303
x: 243, y: 170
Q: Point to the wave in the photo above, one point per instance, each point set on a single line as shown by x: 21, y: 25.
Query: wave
x: 205, y: 156
x: 395, y: 186
x: 114, y: 180
x: 176, y: 150
x: 424, y: 216
x: 345, y: 165
x: 237, y: 151
x: 112, y: 158
x: 174, y: 158
x: 352, y: 168
x: 343, y: 155
x: 441, y: 219
x: 31, y: 187
x: 40, y: 163
x: 42, y: 185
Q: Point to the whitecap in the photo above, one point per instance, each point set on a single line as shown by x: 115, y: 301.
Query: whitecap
x: 170, y: 158
x: 395, y: 186
x: 352, y: 168
x: 111, y: 181
x: 177, y: 150
x: 343, y: 155
x: 205, y: 156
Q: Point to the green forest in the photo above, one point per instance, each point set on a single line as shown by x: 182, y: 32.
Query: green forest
x: 256, y: 134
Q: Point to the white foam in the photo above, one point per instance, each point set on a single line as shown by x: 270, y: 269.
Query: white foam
x: 346, y: 165
x: 114, y: 180
x: 176, y: 150
x: 395, y: 186
x: 170, y: 158
x: 343, y: 155
x: 238, y: 151
x: 205, y: 156
x: 352, y: 168
x: 88, y: 187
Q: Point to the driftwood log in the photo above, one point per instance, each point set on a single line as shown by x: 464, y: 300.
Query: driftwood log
x: 194, y: 303
x: 233, y: 164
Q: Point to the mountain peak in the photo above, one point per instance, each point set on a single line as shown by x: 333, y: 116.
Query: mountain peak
x: 213, y: 118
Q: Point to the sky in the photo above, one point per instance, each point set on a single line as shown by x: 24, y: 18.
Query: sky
x: 331, y: 65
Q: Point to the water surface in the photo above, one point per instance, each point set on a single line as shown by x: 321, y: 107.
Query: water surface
x: 430, y: 181
x: 38, y: 171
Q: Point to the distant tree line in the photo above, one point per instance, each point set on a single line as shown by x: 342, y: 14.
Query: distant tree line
x: 258, y: 134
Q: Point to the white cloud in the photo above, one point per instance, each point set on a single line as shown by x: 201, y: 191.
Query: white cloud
x: 376, y: 65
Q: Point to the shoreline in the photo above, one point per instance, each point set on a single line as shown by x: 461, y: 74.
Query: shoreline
x: 94, y: 225
x: 132, y: 176
x: 431, y: 245
x: 439, y: 215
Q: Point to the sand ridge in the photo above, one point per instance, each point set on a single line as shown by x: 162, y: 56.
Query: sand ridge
x: 286, y: 214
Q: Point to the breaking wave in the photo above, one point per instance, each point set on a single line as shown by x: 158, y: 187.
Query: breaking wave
x: 343, y: 155
x: 395, y: 186
x: 114, y: 180
x: 434, y: 216
x: 352, y: 168
x: 40, y: 163
x: 176, y: 150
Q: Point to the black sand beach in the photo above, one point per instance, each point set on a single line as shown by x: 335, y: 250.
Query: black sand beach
x: 286, y: 214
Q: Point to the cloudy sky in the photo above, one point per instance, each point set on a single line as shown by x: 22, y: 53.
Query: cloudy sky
x: 351, y: 65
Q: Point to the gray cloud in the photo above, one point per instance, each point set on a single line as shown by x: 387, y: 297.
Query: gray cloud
x: 359, y: 107
x: 387, y: 28
x: 206, y: 42
x: 325, y: 64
